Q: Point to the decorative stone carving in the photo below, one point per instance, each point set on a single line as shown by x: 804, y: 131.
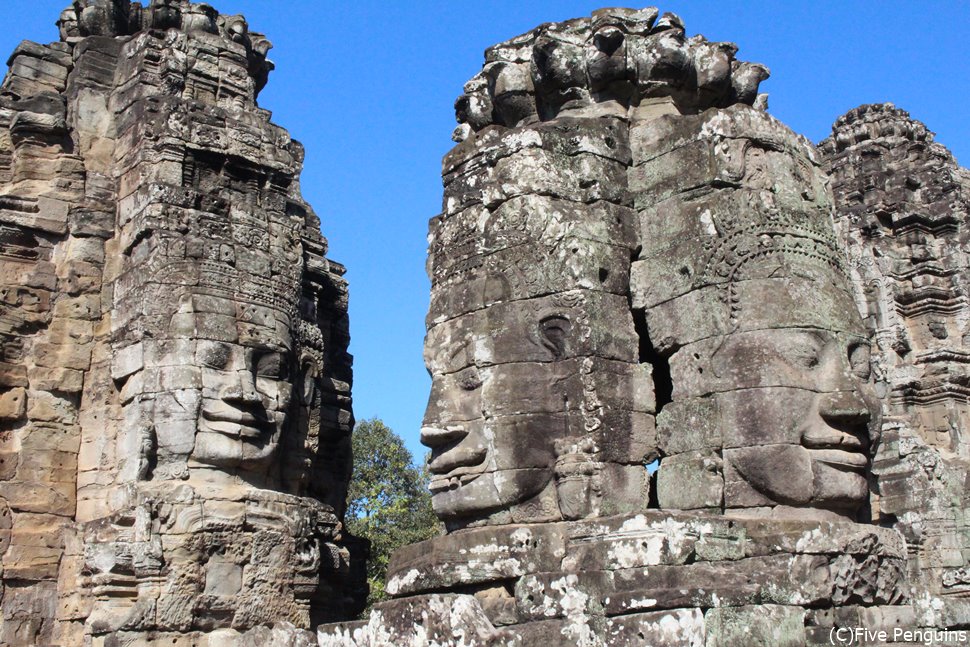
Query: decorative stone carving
x: 759, y: 328
x: 175, y: 413
x: 902, y: 213
x: 619, y: 196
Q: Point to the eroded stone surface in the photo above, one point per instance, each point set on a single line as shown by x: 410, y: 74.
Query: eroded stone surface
x: 619, y: 203
x: 902, y: 211
x: 175, y: 411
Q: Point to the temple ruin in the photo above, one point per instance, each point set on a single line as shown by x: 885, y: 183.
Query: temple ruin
x: 636, y: 265
x: 695, y: 380
x: 176, y: 407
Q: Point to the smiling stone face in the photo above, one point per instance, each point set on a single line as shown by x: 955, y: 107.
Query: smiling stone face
x: 796, y: 428
x: 746, y: 297
x: 246, y: 395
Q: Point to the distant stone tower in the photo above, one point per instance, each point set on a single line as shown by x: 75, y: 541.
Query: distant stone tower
x: 175, y: 409
x: 903, y: 209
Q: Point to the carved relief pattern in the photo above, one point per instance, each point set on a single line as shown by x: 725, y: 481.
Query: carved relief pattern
x: 175, y: 407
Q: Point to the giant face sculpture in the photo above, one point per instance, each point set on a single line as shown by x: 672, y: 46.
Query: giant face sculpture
x: 514, y: 385
x: 765, y: 344
x: 531, y: 344
x: 231, y: 374
x: 796, y: 424
x: 246, y: 396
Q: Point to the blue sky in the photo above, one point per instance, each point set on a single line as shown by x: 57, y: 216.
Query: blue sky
x: 368, y: 87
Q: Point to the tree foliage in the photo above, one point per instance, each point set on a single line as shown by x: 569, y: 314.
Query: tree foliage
x: 389, y: 502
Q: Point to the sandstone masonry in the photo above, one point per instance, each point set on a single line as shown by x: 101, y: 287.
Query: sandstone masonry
x: 175, y: 415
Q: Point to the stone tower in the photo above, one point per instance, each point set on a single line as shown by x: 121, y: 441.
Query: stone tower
x: 635, y: 264
x: 903, y: 208
x: 175, y: 414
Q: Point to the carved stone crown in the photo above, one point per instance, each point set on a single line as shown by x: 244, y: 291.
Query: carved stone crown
x: 622, y: 55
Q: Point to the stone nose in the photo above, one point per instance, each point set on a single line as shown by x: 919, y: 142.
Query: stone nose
x: 846, y: 417
x: 241, y: 389
x: 844, y: 409
x: 437, y: 437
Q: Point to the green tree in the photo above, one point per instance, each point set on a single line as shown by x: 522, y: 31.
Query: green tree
x: 389, y: 502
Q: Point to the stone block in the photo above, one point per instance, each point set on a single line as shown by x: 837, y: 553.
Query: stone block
x: 689, y: 425
x: 476, y: 556
x: 628, y: 437
x: 62, y: 380
x: 519, y: 332
x: 128, y: 360
x: 583, y: 178
x: 43, y: 406
x: 574, y: 596
x: 757, y: 626
x: 70, y: 356
x: 434, y: 619
x: 85, y: 307
x: 675, y: 627
x: 626, y: 489
x: 13, y: 404
x: 691, y: 481
x: 627, y: 542
x: 13, y: 375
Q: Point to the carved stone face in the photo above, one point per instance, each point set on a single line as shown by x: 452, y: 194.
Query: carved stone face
x: 492, y: 426
x: 480, y: 464
x: 511, y: 384
x: 796, y: 415
x: 803, y: 442
x: 246, y: 395
x: 229, y: 388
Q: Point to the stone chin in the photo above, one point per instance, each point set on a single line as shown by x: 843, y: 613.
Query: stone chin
x: 829, y: 480
x: 486, y: 492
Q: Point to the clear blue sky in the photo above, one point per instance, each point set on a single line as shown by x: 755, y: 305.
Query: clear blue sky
x: 368, y: 87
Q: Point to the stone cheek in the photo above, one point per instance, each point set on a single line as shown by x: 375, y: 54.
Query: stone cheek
x: 174, y: 367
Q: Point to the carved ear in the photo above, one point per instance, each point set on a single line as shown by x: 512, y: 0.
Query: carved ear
x: 554, y: 334
x: 307, y: 384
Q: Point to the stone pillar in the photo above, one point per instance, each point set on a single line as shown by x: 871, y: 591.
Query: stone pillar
x: 176, y: 407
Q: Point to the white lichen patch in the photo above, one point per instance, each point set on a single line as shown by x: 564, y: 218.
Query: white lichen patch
x: 808, y: 540
x: 643, y: 543
x: 395, y: 584
x: 707, y: 220
x: 574, y: 603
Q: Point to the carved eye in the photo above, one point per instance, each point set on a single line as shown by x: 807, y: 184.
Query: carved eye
x: 215, y: 355
x: 469, y: 379
x: 555, y: 332
x: 859, y: 356
x: 273, y: 366
x: 804, y: 355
